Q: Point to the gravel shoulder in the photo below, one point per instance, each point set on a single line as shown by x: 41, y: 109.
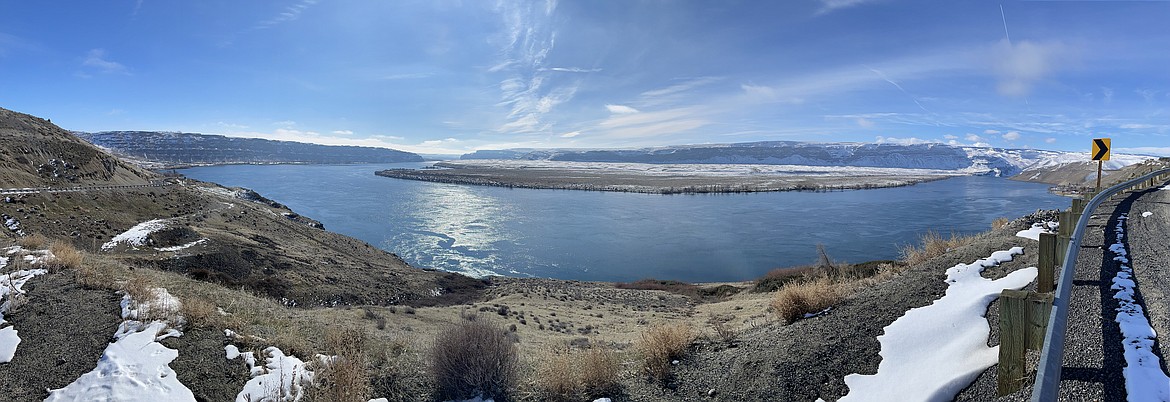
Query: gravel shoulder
x: 1151, y: 258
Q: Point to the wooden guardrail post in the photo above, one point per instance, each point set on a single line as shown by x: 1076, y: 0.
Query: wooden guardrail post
x: 1023, y: 319
x: 1063, y: 232
x: 1045, y: 278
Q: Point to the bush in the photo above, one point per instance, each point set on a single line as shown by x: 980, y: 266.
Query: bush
x: 473, y: 358
x: 65, y: 256
x: 796, y: 299
x: 777, y: 278
x: 662, y: 344
x: 599, y: 372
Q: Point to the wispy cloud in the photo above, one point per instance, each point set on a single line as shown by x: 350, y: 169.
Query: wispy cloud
x: 652, y: 124
x: 1020, y: 66
x: 290, y: 13
x: 571, y: 69
x: 620, y: 109
x: 828, y: 6
x: 529, y: 91
x: 1156, y: 151
x: 675, y: 92
x: 406, y: 76
x: 97, y: 60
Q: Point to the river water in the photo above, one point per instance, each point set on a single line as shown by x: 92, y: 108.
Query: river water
x: 608, y: 236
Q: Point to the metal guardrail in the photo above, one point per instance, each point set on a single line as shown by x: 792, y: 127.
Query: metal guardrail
x: 1052, y: 355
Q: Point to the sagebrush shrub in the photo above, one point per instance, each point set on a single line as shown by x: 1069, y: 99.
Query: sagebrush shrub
x: 474, y: 358
x: 662, y: 344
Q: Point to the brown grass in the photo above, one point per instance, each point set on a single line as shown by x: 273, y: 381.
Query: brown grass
x: 660, y: 345
x: 65, y: 256
x: 600, y: 370
x: 199, y: 312
x: 932, y: 245
x: 346, y: 378
x: 796, y: 299
x: 999, y: 223
x: 474, y: 358
x: 95, y: 273
x: 139, y: 287
x: 36, y: 241
x: 567, y: 375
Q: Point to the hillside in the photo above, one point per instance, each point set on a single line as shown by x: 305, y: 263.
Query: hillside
x: 233, y: 237
x: 35, y: 153
x: 964, y: 160
x: 166, y: 149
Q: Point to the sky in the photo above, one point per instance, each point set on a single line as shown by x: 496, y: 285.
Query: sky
x: 450, y: 77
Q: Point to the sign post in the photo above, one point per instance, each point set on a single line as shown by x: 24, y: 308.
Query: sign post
x: 1100, y: 154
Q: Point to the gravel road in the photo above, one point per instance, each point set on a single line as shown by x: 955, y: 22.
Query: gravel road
x: 1093, y: 359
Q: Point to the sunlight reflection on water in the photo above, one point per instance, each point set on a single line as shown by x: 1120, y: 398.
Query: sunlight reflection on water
x: 454, y: 226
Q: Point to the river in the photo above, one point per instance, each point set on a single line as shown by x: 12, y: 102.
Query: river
x: 608, y: 236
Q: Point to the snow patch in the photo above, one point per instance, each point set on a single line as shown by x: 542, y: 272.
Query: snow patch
x: 11, y: 293
x: 182, y: 247
x: 136, y: 236
x: 931, y: 353
x: 281, y: 378
x: 1144, y: 379
x: 1147, y: 214
x: 135, y: 367
x: 1036, y: 229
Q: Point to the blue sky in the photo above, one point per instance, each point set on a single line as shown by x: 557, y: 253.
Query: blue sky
x: 444, y: 76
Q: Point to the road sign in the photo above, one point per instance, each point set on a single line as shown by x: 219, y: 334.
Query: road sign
x: 1100, y: 149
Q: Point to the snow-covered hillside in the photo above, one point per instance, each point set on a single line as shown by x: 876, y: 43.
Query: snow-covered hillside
x: 963, y: 160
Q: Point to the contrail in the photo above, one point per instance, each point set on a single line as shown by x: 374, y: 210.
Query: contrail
x: 1009, y: 40
x: 1005, y: 30
x: 895, y: 84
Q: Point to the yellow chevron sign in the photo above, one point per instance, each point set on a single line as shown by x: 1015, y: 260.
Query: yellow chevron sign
x: 1100, y: 149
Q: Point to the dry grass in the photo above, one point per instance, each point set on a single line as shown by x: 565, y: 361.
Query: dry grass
x: 346, y: 378
x: 932, y: 245
x: 474, y: 358
x: 34, y: 242
x: 567, y: 375
x: 96, y: 273
x: 199, y: 312
x: 660, y: 345
x: 600, y: 370
x: 999, y: 223
x: 65, y: 256
x: 796, y: 299
x: 139, y: 287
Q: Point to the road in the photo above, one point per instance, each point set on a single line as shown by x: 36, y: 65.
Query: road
x: 35, y: 190
x: 1093, y: 359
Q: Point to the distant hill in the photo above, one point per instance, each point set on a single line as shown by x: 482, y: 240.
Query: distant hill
x: 968, y: 160
x: 37, y: 153
x: 161, y: 149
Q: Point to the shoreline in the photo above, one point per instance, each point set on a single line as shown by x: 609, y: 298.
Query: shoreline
x: 664, y: 183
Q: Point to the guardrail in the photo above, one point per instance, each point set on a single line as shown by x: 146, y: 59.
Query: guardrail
x: 1052, y: 354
